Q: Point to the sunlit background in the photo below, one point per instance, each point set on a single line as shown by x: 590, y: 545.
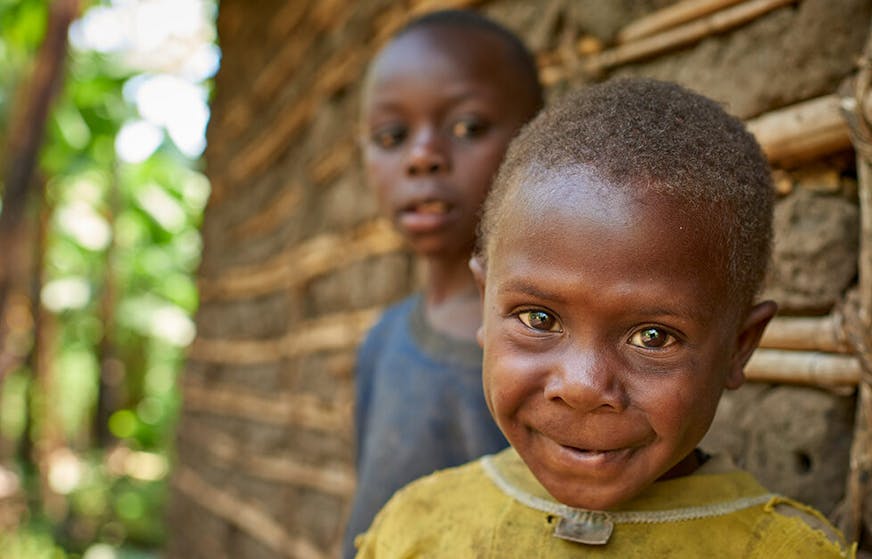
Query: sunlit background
x: 97, y: 336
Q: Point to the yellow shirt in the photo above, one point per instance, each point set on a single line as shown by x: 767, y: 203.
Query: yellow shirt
x: 495, y: 508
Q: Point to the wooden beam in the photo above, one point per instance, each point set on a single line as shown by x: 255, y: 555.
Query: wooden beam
x: 231, y: 454
x: 803, y: 367
x: 670, y: 16
x: 682, y: 35
x: 806, y: 334
x: 303, y: 262
x: 803, y: 131
x: 282, y: 409
x: 337, y: 331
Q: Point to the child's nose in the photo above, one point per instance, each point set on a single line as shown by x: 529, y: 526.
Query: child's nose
x: 426, y: 156
x: 585, y: 380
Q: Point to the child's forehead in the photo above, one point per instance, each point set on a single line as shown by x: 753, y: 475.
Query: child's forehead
x: 569, y: 190
x: 464, y: 51
x: 582, y: 242
x: 455, y: 40
x: 560, y: 204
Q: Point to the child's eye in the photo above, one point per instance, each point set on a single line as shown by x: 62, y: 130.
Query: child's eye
x: 468, y: 128
x: 652, y: 337
x: 387, y: 137
x: 540, y: 320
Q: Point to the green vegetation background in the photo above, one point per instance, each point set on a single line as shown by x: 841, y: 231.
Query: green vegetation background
x: 107, y: 496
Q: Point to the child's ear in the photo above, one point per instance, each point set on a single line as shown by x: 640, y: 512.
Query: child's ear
x: 478, y: 272
x: 748, y: 340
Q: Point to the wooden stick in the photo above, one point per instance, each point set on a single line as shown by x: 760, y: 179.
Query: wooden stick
x: 258, y: 152
x: 256, y: 523
x: 337, y: 331
x: 302, y: 262
x: 683, y: 35
x: 803, y: 367
x: 229, y: 454
x: 676, y: 14
x: 806, y: 334
x: 283, y: 409
x: 276, y: 213
x: 803, y: 131
x: 859, y: 480
x: 334, y: 161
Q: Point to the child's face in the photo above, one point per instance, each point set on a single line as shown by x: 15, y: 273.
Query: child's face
x: 439, y: 109
x: 608, y: 337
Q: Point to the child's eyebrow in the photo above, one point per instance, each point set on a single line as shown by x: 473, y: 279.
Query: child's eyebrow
x: 519, y: 285
x: 399, y: 102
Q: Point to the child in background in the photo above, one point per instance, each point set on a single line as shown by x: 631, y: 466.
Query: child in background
x: 620, y: 254
x: 440, y: 104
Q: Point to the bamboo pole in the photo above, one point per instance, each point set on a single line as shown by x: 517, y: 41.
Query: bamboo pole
x: 806, y: 334
x: 803, y: 367
x: 802, y: 131
x: 670, y: 16
x: 683, y: 35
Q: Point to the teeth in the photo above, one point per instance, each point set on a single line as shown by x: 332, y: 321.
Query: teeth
x: 432, y: 207
x: 588, y: 451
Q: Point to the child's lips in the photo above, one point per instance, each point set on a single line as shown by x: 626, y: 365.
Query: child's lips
x: 597, y: 456
x: 593, y: 454
x: 425, y: 216
x: 431, y: 207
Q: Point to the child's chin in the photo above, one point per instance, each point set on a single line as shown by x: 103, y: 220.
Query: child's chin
x: 600, y: 498
x: 599, y: 502
x: 437, y: 249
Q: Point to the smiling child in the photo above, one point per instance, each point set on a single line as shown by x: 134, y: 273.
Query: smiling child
x: 620, y: 254
x: 440, y: 104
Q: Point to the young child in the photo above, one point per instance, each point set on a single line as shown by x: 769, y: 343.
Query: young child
x: 620, y: 253
x: 440, y: 104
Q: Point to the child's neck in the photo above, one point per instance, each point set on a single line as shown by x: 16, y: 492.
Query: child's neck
x: 687, y: 466
x: 452, y: 303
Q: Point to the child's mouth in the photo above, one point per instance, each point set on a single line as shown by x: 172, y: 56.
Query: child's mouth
x: 424, y: 217
x: 598, y: 454
x: 431, y: 207
x: 587, y: 450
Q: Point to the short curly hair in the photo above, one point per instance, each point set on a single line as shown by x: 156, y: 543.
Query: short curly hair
x: 475, y: 22
x: 645, y: 134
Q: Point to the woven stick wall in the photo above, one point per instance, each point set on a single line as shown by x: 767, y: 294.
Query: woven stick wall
x: 297, y: 264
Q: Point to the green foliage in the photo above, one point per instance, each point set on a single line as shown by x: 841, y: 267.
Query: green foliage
x: 30, y: 544
x: 120, y: 254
